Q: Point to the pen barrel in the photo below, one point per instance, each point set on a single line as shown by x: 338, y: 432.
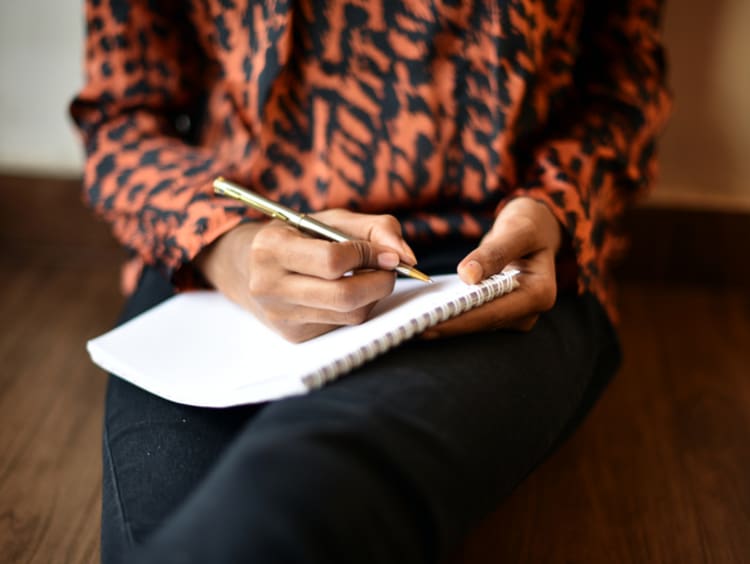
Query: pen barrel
x: 255, y: 201
x: 301, y: 221
x: 314, y: 227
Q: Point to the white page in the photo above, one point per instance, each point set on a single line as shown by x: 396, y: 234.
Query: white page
x: 199, y: 348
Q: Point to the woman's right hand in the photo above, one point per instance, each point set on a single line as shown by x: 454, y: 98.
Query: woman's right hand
x: 295, y: 283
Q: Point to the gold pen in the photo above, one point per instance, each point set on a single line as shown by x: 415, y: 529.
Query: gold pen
x: 301, y: 221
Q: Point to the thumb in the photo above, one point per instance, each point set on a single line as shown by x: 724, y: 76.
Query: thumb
x: 506, y: 242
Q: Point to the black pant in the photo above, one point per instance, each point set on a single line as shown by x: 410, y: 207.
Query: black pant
x: 393, y: 463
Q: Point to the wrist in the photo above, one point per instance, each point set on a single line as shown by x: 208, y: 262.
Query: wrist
x: 224, y: 253
x: 543, y: 218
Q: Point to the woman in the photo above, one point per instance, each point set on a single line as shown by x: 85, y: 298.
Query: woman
x: 470, y: 135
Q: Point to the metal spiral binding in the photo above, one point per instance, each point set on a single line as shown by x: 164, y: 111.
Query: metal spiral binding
x: 486, y: 290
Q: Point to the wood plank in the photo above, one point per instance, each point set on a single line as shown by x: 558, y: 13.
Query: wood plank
x: 680, y: 243
x: 48, y: 211
x: 688, y: 245
x: 658, y: 472
x: 60, y: 286
x: 51, y: 406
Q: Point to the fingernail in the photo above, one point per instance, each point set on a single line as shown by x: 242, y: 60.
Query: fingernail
x: 410, y: 253
x: 388, y: 260
x: 472, y: 271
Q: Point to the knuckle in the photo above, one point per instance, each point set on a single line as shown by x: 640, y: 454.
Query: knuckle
x: 521, y: 225
x: 260, y: 287
x: 262, y: 248
x: 275, y: 235
x: 266, y: 236
x: 521, y: 228
x: 389, y: 222
x: 255, y: 287
x: 329, y: 214
x: 344, y: 298
x: 546, y: 295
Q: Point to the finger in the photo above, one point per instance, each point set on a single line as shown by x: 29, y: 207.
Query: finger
x: 507, y: 241
x: 495, y: 315
x: 517, y: 310
x: 290, y: 318
x: 343, y: 295
x: 285, y: 247
x: 536, y: 293
x: 302, y: 333
x: 380, y: 229
x: 523, y: 324
x: 330, y: 261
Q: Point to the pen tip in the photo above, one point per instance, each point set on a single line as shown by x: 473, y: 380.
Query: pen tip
x: 412, y: 272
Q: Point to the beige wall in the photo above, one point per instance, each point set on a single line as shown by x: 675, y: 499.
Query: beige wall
x: 40, y: 42
x: 705, y: 152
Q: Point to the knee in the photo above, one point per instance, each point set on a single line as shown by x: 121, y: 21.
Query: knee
x: 337, y: 471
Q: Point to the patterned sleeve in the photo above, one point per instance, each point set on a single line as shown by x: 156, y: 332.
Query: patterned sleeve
x: 145, y: 79
x: 602, y: 157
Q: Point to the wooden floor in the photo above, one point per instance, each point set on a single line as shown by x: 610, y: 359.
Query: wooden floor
x: 51, y: 407
x: 659, y: 473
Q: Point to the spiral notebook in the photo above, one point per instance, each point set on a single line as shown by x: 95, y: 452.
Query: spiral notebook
x: 198, y: 348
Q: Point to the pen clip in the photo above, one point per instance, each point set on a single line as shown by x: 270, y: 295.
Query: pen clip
x: 263, y: 205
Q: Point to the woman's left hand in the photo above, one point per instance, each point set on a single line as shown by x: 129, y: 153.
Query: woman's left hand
x: 527, y: 236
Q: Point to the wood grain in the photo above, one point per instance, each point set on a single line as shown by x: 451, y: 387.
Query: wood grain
x: 657, y: 474
x: 702, y: 246
x: 59, y: 270
x: 668, y: 243
x: 51, y: 409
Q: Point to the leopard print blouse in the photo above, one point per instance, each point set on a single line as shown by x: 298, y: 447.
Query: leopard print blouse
x: 436, y: 111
